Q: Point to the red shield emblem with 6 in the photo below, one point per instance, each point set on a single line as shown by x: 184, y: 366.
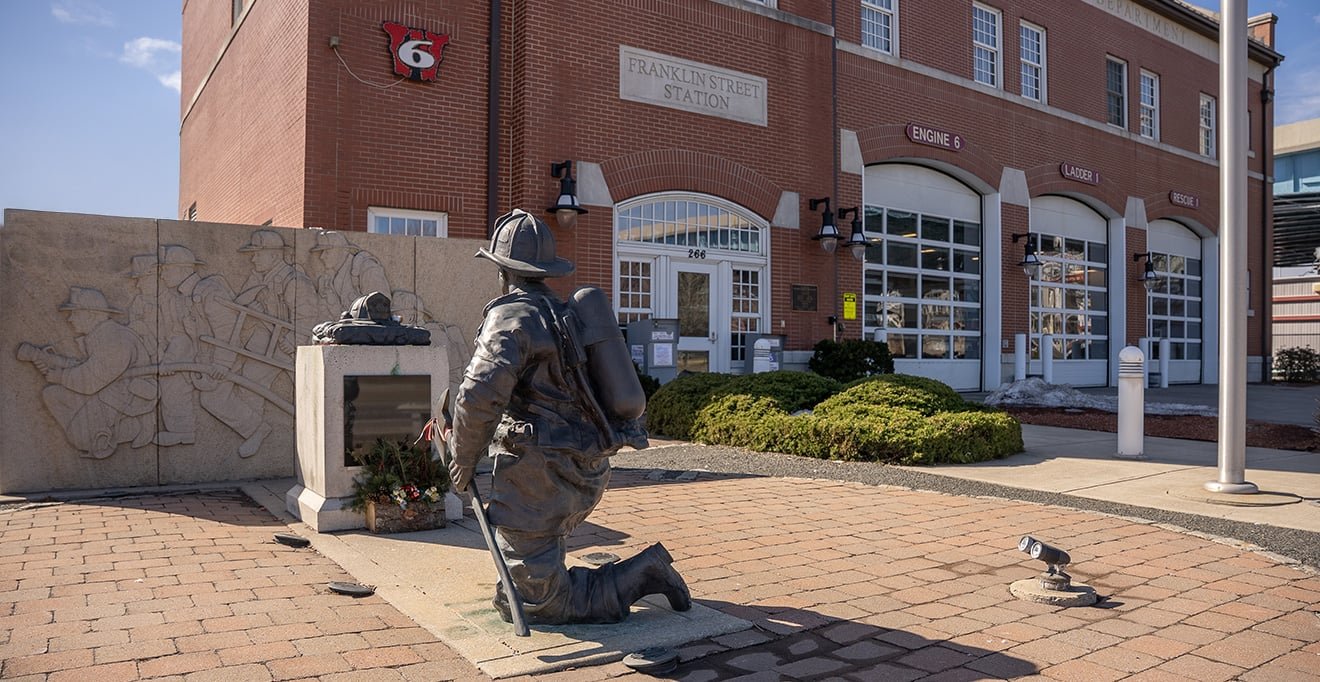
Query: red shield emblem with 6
x: 416, y: 52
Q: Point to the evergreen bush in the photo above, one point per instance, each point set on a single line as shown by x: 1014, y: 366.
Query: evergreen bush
x: 672, y: 409
x: 1299, y: 364
x: 850, y: 360
x: 922, y: 395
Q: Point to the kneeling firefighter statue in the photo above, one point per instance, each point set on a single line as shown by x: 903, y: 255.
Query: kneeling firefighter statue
x: 552, y: 390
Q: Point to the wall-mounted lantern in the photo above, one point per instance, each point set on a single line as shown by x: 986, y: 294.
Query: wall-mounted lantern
x: 567, y: 208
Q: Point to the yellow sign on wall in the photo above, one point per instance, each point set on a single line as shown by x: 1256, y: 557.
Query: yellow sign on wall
x: 850, y: 306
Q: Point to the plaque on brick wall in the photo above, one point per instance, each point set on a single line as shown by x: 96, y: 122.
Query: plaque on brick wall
x: 654, y: 78
x: 804, y: 297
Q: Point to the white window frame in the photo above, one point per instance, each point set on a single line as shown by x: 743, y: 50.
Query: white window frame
x: 1207, y: 115
x: 1039, y: 65
x: 373, y: 212
x: 996, y: 50
x: 1149, y: 110
x: 892, y: 13
x: 1123, y: 95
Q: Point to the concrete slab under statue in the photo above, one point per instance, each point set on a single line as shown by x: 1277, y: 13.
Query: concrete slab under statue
x: 348, y: 396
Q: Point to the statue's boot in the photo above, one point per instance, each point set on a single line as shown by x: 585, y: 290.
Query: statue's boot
x: 650, y: 572
x: 647, y: 572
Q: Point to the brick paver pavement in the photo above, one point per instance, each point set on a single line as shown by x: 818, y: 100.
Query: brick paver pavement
x: 842, y: 581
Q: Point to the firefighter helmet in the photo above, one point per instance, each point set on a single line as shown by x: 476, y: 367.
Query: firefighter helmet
x: 524, y: 245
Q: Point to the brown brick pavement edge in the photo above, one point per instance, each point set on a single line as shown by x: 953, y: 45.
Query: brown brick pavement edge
x: 843, y: 581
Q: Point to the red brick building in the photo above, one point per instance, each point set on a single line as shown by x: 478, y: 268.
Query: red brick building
x: 958, y: 134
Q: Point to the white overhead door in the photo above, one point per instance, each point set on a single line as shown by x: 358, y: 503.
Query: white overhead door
x: 921, y: 280
x: 1070, y: 294
x: 1174, y: 307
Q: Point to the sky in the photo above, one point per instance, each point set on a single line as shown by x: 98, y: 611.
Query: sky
x: 89, y: 99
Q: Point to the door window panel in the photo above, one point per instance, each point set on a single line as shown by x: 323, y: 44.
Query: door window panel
x: 1069, y: 299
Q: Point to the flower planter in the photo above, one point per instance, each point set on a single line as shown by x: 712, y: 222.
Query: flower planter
x: 389, y: 518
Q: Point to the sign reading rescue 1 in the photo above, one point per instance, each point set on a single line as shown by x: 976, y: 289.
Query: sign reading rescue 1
x: 653, y: 78
x: 416, y: 52
x: 1080, y: 174
x: 1185, y: 200
x: 935, y: 137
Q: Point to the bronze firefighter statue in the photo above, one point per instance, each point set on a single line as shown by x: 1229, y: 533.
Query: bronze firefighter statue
x: 552, y: 391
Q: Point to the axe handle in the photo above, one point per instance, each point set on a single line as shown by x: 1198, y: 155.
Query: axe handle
x: 479, y: 510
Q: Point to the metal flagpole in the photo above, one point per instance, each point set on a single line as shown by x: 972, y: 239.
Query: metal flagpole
x: 1232, y: 250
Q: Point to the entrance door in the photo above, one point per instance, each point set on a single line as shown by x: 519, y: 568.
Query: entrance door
x: 698, y: 338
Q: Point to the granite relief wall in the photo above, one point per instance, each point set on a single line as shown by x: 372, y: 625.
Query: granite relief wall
x: 142, y: 352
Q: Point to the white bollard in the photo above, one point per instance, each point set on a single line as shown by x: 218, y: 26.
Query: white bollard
x: 1131, y: 403
x: 1020, y: 357
x: 1047, y: 358
x: 1164, y: 363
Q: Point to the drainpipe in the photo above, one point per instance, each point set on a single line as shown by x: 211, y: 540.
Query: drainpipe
x: 834, y: 135
x: 1266, y: 252
x: 493, y: 117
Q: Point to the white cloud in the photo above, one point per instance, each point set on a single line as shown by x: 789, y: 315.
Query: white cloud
x: 156, y: 56
x: 1297, y: 96
x: 144, y: 53
x: 1316, y: 18
x: 81, y: 12
x: 171, y: 81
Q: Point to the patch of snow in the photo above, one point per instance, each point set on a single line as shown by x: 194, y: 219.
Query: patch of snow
x: 1034, y: 392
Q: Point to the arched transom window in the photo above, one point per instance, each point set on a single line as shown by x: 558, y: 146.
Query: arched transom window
x: 692, y: 223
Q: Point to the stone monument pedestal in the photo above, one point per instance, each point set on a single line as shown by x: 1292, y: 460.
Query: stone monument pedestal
x: 325, y: 479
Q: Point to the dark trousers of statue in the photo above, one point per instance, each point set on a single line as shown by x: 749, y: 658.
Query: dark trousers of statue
x: 554, y: 594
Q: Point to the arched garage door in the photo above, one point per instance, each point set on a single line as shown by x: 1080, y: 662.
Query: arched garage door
x: 1174, y: 307
x: 1070, y: 295
x: 922, y: 278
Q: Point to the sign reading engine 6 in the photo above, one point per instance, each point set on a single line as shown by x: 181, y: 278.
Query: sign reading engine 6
x: 417, y: 52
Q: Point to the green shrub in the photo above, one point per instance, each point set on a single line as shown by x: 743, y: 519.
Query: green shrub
x: 793, y: 390
x: 1298, y: 364
x: 895, y: 434
x: 671, y: 409
x: 919, y: 394
x: 850, y: 360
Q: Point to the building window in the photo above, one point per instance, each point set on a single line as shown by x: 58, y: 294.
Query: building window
x: 635, y: 288
x: 405, y: 222
x: 922, y: 284
x: 1207, y: 120
x: 1116, y: 91
x: 879, y: 19
x: 192, y: 213
x: 1070, y: 298
x: 1032, y: 54
x: 746, y: 313
x: 689, y: 223
x: 1150, y: 105
x: 1175, y: 306
x: 985, y: 45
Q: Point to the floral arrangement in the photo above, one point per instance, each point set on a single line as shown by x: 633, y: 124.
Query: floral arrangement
x: 395, y: 472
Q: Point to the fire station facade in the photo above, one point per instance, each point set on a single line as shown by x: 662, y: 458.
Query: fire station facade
x: 958, y: 138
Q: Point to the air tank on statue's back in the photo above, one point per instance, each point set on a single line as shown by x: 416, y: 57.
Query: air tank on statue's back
x: 609, y: 365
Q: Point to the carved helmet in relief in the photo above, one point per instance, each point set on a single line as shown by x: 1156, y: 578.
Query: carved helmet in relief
x: 524, y: 245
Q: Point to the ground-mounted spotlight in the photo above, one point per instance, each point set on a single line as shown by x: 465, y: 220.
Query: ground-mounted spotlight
x: 1054, y: 586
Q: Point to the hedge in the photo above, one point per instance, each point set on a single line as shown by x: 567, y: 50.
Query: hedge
x: 922, y: 395
x: 896, y: 435
x: 671, y: 410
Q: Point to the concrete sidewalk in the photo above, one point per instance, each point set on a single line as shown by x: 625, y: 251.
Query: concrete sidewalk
x: 1082, y: 463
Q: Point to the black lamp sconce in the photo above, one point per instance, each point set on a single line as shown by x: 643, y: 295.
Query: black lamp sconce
x: 1148, y: 278
x: 566, y: 209
x: 1030, y: 262
x: 856, y: 240
x: 829, y: 234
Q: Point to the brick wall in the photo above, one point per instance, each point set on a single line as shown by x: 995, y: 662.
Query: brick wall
x: 241, y: 148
